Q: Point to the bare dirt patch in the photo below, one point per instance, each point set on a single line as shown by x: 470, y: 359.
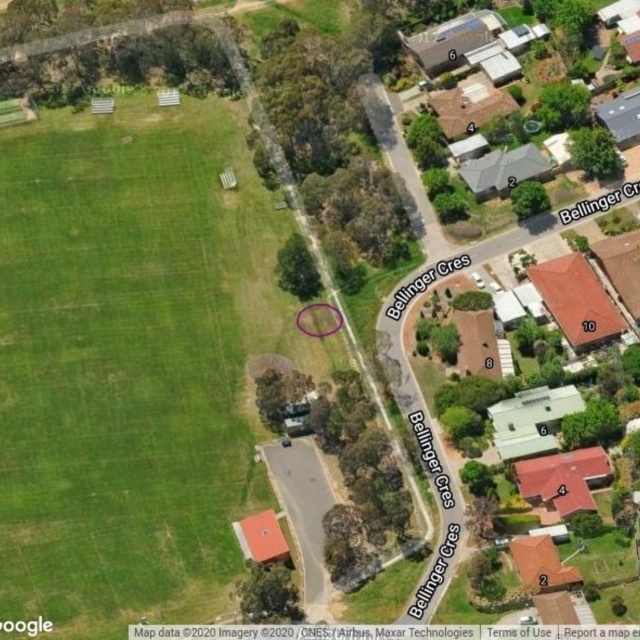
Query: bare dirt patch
x: 261, y: 364
x: 319, y: 320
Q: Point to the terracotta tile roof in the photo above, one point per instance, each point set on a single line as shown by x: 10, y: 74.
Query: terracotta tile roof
x: 455, y: 111
x: 631, y: 43
x: 535, y: 557
x: 478, y: 342
x: 620, y: 259
x: 543, y: 477
x: 574, y: 295
x: 264, y: 536
x: 556, y: 608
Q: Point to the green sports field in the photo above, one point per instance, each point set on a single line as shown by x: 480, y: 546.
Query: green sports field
x: 132, y: 292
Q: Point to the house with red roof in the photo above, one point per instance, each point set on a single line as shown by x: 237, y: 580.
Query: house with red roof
x: 577, y: 301
x: 261, y: 538
x: 563, y: 482
x: 539, y: 565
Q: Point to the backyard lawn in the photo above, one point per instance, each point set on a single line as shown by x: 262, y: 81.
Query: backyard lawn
x: 134, y: 292
x: 605, y: 558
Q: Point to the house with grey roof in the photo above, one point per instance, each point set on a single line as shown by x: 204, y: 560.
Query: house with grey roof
x: 499, y: 171
x: 527, y: 424
x: 442, y: 48
x: 622, y: 117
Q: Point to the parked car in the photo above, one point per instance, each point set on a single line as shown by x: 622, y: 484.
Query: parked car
x: 495, y: 287
x: 502, y: 542
x: 478, y: 280
x: 527, y: 620
x: 286, y: 441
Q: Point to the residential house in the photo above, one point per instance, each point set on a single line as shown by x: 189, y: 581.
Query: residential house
x: 611, y: 14
x: 261, y: 538
x: 631, y: 44
x: 497, y: 63
x: 622, y: 117
x: 563, y: 482
x: 619, y: 258
x: 499, y: 171
x: 526, y: 425
x: 577, y: 301
x: 556, y: 608
x: 539, y: 565
x: 629, y: 25
x: 475, y: 104
x: 442, y: 48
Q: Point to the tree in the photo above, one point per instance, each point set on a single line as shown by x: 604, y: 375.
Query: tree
x: 296, y: 269
x: 478, y: 477
x: 599, y: 424
x: 319, y: 415
x: 632, y: 446
x: 460, y: 422
x: 618, y: 607
x: 564, y: 106
x: 515, y: 91
x: 545, y: 10
x: 625, y: 518
x: 552, y: 371
x: 587, y: 525
x: 617, y: 54
x: 529, y: 198
x: 581, y: 243
x: 365, y: 453
x: 573, y: 17
x: 526, y: 336
x: 437, y: 182
x: 498, y: 130
x: 450, y: 207
x: 595, y: 152
x: 473, y: 301
x: 270, y: 399
x: 479, y: 517
x: 446, y: 342
x: 479, y: 570
x: 269, y: 589
x: 631, y: 362
x: 424, y: 127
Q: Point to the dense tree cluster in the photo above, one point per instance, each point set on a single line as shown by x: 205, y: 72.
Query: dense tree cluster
x: 478, y: 478
x: 268, y: 595
x: 476, y: 393
x: 274, y: 390
x: 359, y: 205
x: 381, y: 503
x: 599, y: 423
x: 186, y: 56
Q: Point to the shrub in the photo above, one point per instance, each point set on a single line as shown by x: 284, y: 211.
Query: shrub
x: 515, y: 90
x: 618, y: 607
x: 473, y: 301
x: 591, y: 591
x: 422, y: 348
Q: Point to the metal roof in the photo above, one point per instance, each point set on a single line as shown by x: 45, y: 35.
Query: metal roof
x: 502, y: 66
x: 619, y: 10
x: 495, y: 169
x: 535, y: 406
x: 472, y: 143
x: 508, y: 307
x: 556, y: 531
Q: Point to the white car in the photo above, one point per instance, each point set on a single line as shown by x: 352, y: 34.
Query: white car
x: 478, y: 280
x: 495, y: 287
x: 527, y: 620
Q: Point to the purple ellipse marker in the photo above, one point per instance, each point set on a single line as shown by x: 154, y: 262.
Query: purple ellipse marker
x: 319, y: 304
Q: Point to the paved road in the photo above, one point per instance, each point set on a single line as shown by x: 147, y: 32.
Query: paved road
x: 303, y: 489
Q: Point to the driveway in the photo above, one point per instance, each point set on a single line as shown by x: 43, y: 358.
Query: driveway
x: 305, y: 494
